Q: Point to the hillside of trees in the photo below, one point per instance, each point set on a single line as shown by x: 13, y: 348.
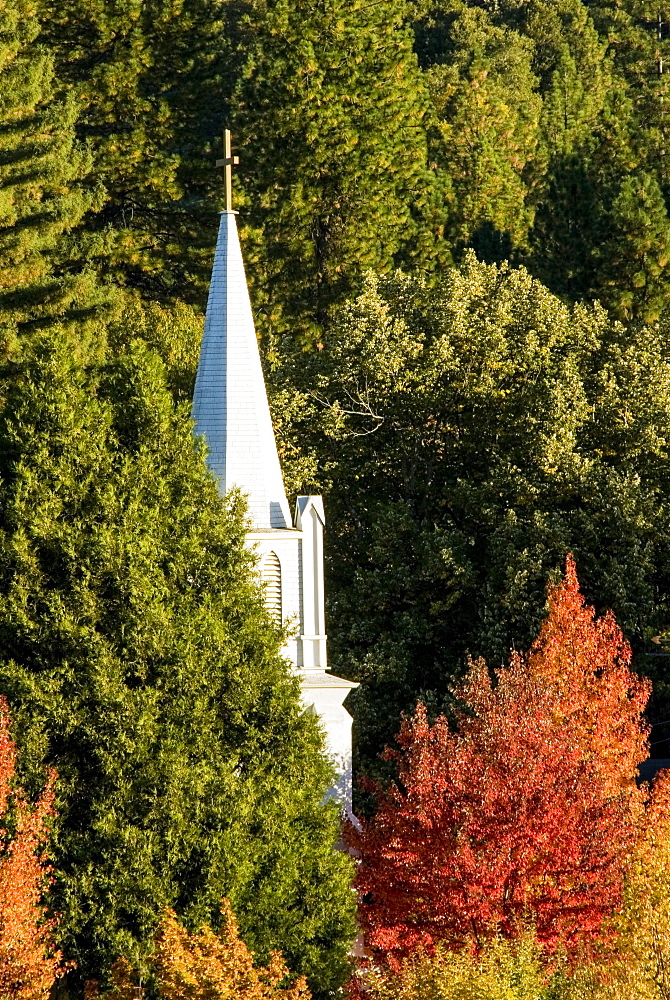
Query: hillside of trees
x: 457, y: 240
x: 456, y: 229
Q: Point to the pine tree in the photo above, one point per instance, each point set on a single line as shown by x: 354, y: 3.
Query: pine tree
x: 151, y: 81
x: 576, y: 79
x: 135, y: 652
x: 568, y: 228
x: 601, y: 220
x: 632, y: 279
x: 484, y: 93
x: 42, y: 269
x: 331, y: 117
x: 638, y: 35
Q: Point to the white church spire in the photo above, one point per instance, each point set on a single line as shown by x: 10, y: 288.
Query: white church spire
x: 230, y: 408
x: 230, y: 405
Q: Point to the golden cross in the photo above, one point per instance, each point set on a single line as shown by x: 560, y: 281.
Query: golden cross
x: 228, y: 162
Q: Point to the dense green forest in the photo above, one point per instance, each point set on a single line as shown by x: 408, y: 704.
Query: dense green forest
x: 455, y: 221
x: 467, y: 425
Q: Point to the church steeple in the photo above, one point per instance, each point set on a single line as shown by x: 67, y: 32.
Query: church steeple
x: 230, y: 405
x: 230, y: 409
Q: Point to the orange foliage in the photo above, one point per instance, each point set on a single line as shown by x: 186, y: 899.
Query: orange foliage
x: 529, y: 810
x: 208, y: 966
x: 635, y: 960
x: 29, y: 963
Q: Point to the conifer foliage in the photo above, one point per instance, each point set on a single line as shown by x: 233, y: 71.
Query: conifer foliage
x: 331, y: 111
x: 530, y: 808
x: 484, y: 94
x: 137, y: 654
x: 41, y: 172
x: 147, y: 80
x: 29, y: 962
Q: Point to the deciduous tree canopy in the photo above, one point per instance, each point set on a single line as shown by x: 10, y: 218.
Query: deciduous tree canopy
x: 207, y: 966
x: 30, y: 963
x: 528, y: 810
x: 467, y: 436
x: 467, y: 427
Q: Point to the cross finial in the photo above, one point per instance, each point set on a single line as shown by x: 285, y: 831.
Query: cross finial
x: 228, y: 162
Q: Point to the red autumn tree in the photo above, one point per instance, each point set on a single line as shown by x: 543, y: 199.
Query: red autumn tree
x: 29, y: 963
x: 528, y: 810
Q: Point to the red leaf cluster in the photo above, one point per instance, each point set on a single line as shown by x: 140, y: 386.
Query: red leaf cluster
x: 29, y: 964
x: 528, y: 811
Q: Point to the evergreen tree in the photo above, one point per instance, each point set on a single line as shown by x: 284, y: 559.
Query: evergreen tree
x: 331, y: 115
x: 638, y: 35
x: 151, y: 79
x: 601, y: 223
x: 568, y: 227
x: 577, y: 93
x: 599, y: 70
x: 136, y: 654
x: 484, y: 94
x: 41, y: 194
x: 635, y: 261
x: 576, y: 80
x: 562, y: 33
x: 588, y: 160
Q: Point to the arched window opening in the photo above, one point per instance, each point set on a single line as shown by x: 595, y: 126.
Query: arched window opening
x: 272, y: 581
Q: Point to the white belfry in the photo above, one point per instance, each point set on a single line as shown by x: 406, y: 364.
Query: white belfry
x: 230, y: 409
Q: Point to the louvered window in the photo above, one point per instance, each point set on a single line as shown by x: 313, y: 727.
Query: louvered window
x: 272, y: 580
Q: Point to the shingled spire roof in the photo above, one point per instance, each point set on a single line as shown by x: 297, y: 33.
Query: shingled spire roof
x: 230, y: 405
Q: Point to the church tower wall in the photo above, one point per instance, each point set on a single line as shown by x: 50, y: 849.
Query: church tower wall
x: 286, y: 547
